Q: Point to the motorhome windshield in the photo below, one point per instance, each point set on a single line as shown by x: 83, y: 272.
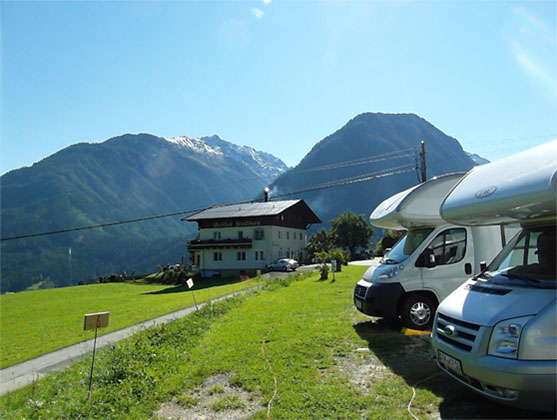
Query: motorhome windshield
x: 407, y: 245
x: 529, y: 260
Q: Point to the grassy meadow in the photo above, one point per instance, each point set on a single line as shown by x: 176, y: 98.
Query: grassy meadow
x: 37, y: 322
x: 294, y: 349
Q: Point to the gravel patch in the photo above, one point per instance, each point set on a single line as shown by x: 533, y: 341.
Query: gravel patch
x: 216, y: 399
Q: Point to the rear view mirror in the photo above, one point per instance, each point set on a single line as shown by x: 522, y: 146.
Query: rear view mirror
x: 426, y: 259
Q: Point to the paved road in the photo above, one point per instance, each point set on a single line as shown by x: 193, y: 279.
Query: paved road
x: 17, y: 376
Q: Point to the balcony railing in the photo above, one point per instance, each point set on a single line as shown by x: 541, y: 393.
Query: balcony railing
x: 197, y: 244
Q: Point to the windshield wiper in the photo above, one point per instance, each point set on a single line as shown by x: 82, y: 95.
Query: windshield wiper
x: 524, y: 278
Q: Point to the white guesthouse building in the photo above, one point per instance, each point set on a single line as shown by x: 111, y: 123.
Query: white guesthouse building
x: 246, y: 237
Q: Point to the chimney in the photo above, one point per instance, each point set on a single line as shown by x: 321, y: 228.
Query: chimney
x: 266, y: 194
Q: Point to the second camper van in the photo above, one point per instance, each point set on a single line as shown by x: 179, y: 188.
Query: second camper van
x: 497, y: 333
x: 431, y: 260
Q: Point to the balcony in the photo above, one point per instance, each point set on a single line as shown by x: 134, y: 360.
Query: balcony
x: 198, y: 244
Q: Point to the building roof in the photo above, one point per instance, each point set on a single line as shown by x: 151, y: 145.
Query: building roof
x: 253, y: 209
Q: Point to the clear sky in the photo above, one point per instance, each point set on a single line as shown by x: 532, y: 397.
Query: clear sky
x: 275, y: 75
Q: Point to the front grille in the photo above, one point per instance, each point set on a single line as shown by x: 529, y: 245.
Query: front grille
x: 463, y: 334
x: 360, y: 291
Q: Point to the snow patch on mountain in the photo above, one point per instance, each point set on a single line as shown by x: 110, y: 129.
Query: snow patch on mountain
x: 263, y: 163
x: 196, y: 145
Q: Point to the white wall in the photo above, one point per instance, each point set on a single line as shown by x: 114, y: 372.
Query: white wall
x: 277, y: 242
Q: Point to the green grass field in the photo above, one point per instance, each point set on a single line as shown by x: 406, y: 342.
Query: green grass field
x: 296, y: 349
x: 38, y: 322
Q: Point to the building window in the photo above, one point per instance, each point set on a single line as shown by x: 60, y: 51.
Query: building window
x: 240, y: 234
x: 287, y: 235
x: 259, y: 234
x: 217, y: 256
x: 216, y: 235
x: 279, y: 234
x: 301, y: 236
x: 241, y: 256
x: 259, y: 256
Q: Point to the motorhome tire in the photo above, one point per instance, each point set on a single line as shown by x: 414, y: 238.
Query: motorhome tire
x: 417, y: 312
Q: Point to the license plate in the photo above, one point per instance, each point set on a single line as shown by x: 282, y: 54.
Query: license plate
x: 358, y: 304
x: 450, y: 362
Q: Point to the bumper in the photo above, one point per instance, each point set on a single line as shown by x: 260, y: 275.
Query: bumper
x: 527, y: 384
x: 378, y: 299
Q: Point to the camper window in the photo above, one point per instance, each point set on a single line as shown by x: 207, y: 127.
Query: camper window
x: 407, y: 245
x: 448, y: 247
x: 528, y: 260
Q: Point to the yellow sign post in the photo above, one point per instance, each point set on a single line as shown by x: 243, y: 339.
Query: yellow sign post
x: 96, y: 321
x: 190, y: 285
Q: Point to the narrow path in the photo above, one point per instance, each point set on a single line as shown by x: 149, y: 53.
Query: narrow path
x: 17, y: 376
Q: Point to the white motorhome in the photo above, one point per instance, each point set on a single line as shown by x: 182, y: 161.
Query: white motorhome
x: 497, y: 333
x: 431, y: 260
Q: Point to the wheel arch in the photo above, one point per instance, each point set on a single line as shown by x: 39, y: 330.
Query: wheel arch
x: 413, y: 293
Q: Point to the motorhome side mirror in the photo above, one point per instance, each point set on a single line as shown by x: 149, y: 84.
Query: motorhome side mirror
x: 426, y: 259
x: 483, y: 265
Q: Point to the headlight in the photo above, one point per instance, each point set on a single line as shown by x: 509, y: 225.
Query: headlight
x: 506, y: 337
x: 390, y: 271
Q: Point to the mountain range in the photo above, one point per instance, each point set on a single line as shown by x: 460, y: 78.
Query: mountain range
x: 125, y: 177
x: 135, y: 176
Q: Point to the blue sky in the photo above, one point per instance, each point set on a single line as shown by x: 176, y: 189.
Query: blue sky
x: 275, y: 75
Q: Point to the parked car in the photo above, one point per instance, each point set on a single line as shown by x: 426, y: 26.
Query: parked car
x: 284, y: 264
x: 293, y: 263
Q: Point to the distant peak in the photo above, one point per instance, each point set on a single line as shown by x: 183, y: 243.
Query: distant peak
x: 367, y: 115
x: 197, y: 145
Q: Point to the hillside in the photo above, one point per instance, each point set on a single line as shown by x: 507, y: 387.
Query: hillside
x: 370, y: 143
x: 135, y: 176
x: 126, y: 177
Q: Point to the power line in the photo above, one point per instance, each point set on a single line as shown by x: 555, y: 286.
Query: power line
x: 359, y: 161
x: 353, y: 180
x: 121, y: 222
x: 337, y: 183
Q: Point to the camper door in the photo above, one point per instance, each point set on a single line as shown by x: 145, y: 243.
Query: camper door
x: 447, y: 261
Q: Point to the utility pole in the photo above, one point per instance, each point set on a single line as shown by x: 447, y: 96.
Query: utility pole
x: 70, y: 264
x: 422, y: 162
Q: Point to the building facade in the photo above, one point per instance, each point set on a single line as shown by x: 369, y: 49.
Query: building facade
x: 247, y: 237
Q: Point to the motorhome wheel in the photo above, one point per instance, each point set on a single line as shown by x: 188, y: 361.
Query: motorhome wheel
x: 417, y: 312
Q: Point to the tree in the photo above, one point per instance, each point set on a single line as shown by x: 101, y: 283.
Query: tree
x: 390, y: 237
x: 318, y: 242
x: 340, y: 255
x: 351, y: 231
